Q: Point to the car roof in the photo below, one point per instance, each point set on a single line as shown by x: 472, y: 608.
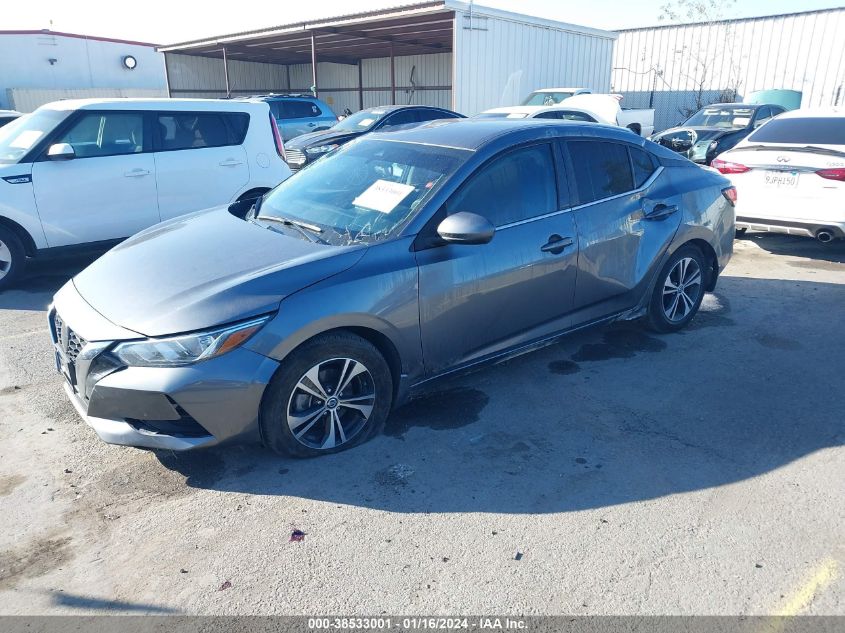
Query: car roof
x: 519, y: 109
x: 473, y: 134
x: 557, y: 89
x: 188, y: 105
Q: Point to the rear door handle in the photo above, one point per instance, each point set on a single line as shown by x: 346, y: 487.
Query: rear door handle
x: 660, y: 211
x: 136, y: 173
x: 230, y: 162
x: 556, y: 244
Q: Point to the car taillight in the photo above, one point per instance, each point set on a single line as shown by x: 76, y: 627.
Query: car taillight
x: 730, y: 194
x: 727, y: 167
x: 832, y: 174
x: 280, y: 147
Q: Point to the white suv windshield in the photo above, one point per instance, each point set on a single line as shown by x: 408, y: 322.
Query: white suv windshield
x: 21, y: 135
x: 365, y: 190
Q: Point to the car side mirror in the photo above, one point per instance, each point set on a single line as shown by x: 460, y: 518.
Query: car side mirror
x: 466, y: 228
x: 61, y: 151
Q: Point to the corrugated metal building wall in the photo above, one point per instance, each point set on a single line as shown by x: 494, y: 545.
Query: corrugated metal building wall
x: 195, y: 76
x: 496, y: 59
x: 677, y: 67
x: 501, y: 57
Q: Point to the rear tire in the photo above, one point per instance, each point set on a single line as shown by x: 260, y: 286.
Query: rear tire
x: 679, y: 290
x: 12, y: 257
x: 332, y: 393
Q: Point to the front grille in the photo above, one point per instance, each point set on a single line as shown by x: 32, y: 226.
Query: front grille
x: 68, y: 340
x: 58, y: 328
x: 295, y: 159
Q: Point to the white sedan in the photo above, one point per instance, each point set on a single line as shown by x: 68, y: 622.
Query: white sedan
x: 790, y: 175
x: 592, y: 108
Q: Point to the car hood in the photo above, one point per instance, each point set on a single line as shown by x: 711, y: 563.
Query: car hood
x: 202, y: 270
x: 322, y: 137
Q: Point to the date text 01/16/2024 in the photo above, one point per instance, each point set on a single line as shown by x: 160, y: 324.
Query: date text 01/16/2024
x: 419, y: 623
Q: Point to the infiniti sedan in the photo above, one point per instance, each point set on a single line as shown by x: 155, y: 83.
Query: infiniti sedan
x: 397, y: 259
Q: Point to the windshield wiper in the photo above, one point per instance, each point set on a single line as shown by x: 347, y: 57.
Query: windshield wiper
x: 814, y: 149
x: 304, y: 228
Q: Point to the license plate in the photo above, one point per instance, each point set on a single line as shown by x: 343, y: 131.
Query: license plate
x: 781, y: 179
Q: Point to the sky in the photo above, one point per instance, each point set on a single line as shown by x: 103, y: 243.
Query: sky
x: 171, y: 21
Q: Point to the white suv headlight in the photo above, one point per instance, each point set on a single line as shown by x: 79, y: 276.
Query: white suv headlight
x: 187, y: 348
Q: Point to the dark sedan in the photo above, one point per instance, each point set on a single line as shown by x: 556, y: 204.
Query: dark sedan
x: 397, y: 259
x: 307, y: 148
x: 715, y: 129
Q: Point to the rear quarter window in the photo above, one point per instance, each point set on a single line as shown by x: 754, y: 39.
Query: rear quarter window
x: 809, y: 131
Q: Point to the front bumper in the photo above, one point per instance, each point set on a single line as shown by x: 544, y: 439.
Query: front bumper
x: 175, y: 408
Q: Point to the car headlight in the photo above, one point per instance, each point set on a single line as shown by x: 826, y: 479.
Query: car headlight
x: 187, y: 348
x: 320, y: 149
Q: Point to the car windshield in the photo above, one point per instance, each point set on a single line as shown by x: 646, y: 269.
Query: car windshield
x: 365, y: 190
x: 546, y: 98
x: 360, y: 121
x: 722, y: 116
x: 21, y: 135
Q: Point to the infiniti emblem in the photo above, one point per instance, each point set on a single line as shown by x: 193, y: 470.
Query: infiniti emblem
x: 783, y: 159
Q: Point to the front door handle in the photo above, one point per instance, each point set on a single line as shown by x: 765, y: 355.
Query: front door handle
x: 311, y: 124
x: 136, y: 173
x: 556, y: 244
x: 230, y: 162
x: 660, y: 211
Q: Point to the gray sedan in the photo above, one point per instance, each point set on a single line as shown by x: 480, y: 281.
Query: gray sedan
x: 397, y: 259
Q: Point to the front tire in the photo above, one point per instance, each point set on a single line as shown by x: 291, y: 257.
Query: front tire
x: 679, y: 290
x: 332, y: 393
x: 12, y: 258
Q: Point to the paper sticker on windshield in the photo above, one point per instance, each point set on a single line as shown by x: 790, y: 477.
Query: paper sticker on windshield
x: 741, y: 121
x: 365, y: 122
x: 383, y: 196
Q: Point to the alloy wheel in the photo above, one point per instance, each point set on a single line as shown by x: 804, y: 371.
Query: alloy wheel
x: 5, y: 260
x: 331, y: 403
x: 681, y: 289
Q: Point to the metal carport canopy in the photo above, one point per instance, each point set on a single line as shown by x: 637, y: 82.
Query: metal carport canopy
x: 414, y: 29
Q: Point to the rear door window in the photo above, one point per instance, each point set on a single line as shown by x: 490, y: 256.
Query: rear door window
x: 516, y: 186
x: 602, y: 169
x: 426, y: 114
x: 300, y: 110
x: 808, y: 131
x: 195, y: 130
x: 106, y: 134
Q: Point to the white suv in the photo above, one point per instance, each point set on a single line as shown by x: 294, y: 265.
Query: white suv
x: 95, y: 171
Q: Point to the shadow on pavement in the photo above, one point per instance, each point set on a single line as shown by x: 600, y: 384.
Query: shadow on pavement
x: 42, y: 279
x: 608, y: 416
x: 65, y: 599
x: 798, y: 246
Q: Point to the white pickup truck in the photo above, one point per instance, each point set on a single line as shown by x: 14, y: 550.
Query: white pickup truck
x: 596, y: 108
